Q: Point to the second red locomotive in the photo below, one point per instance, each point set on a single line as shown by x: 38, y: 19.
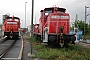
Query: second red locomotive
x: 54, y: 27
x: 11, y: 26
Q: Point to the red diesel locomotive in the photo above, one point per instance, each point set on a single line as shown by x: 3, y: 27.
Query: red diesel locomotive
x: 11, y: 26
x: 54, y: 27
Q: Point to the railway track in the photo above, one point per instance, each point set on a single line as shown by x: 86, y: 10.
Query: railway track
x: 11, y: 49
x: 5, y: 51
x: 2, y: 40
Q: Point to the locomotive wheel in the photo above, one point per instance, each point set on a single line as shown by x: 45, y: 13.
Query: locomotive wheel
x: 66, y: 44
x: 66, y: 41
x: 73, y: 38
x: 36, y: 36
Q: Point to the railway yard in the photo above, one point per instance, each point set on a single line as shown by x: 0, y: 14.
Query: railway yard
x: 27, y: 49
x: 61, y: 30
x: 15, y: 49
x: 11, y: 49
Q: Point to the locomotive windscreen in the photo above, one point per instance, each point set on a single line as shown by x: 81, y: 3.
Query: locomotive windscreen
x: 11, y: 18
x: 61, y: 9
x: 15, y: 18
x: 49, y: 10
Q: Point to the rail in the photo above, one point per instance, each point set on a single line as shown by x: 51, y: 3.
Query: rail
x: 3, y: 54
x: 2, y: 40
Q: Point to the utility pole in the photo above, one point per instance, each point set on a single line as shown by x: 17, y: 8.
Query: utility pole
x: 22, y: 23
x: 31, y: 32
x: 32, y: 24
x: 35, y: 19
x: 25, y: 14
x: 76, y: 20
x: 76, y: 28
x: 89, y: 24
x: 85, y: 21
x: 76, y: 17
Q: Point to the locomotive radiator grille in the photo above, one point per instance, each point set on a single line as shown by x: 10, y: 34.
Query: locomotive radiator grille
x: 15, y: 28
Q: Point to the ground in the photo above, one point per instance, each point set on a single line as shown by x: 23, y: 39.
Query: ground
x: 27, y: 48
x: 87, y: 45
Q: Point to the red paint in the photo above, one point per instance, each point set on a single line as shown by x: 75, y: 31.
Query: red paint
x: 56, y: 18
x: 12, y: 23
x: 23, y: 31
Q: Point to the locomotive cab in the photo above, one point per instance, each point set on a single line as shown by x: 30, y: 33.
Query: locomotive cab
x: 54, y: 27
x: 12, y: 26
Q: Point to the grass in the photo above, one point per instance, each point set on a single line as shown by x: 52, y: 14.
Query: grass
x: 88, y: 35
x: 74, y: 52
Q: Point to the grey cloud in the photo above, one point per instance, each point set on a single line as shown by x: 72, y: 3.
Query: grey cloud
x: 75, y: 7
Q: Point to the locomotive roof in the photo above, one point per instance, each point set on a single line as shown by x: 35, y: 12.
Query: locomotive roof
x: 11, y: 18
x: 51, y: 8
x: 55, y: 7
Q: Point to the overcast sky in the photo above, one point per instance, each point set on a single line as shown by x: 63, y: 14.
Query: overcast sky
x: 17, y: 8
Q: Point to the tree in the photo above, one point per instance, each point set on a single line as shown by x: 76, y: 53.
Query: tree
x: 80, y: 25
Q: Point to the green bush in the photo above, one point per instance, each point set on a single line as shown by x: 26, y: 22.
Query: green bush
x: 73, y: 52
